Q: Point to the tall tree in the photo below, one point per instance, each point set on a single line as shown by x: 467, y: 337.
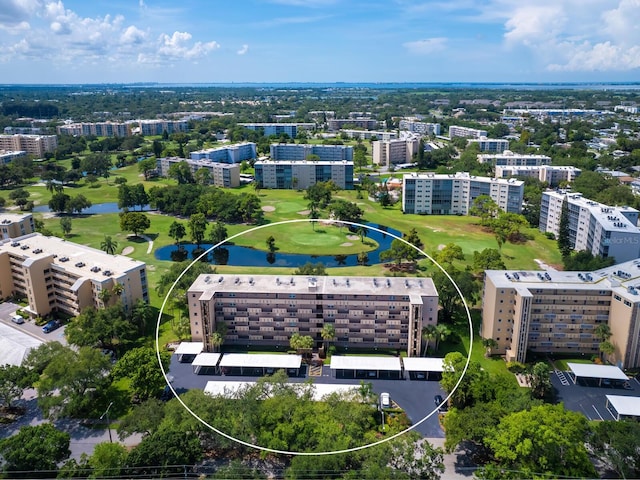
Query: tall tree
x: 65, y: 225
x: 177, y: 231
x: 545, y: 440
x: 140, y: 365
x: 34, y: 451
x: 197, y: 226
x: 218, y: 233
x: 136, y: 222
x: 564, y: 240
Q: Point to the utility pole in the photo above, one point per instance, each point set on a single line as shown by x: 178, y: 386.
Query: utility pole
x: 106, y: 414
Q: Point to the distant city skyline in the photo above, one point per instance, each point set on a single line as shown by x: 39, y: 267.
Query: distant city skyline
x: 220, y: 41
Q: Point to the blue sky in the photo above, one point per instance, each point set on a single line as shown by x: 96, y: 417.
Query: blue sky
x: 94, y: 41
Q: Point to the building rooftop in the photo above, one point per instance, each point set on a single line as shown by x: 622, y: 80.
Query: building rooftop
x: 402, y: 286
x: 7, y: 218
x: 510, y: 154
x: 611, y: 218
x: 303, y: 162
x: 463, y: 176
x: 77, y: 259
x: 623, y: 278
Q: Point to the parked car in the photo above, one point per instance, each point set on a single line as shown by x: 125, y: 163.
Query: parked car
x: 440, y: 403
x: 17, y: 319
x: 385, y: 400
x: 51, y: 326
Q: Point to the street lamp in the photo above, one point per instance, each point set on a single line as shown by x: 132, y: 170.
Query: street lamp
x: 106, y: 413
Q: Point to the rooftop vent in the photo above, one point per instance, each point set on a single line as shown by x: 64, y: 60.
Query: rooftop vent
x: 37, y: 250
x: 95, y: 269
x: 64, y: 259
x: 15, y: 244
x: 220, y: 279
x: 80, y: 264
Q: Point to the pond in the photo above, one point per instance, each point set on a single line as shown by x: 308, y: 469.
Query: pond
x: 250, y: 257
x: 110, y: 207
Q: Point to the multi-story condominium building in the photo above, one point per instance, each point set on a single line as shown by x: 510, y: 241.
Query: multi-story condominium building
x: 511, y: 159
x: 369, y: 134
x: 394, y: 152
x: 14, y: 225
x: 295, y: 152
x: 7, y: 157
x: 23, y: 130
x: 98, y: 129
x: 228, y: 154
x: 443, y: 194
x: 269, y: 129
x: 335, y: 124
x: 626, y: 108
x: 36, y: 145
x: 421, y: 128
x: 490, y: 144
x: 466, y: 132
x: 226, y: 175
x: 302, y: 174
x: 366, y: 312
x: 158, y: 127
x: 597, y: 228
x: 552, y: 175
x: 558, y: 312
x: 56, y: 275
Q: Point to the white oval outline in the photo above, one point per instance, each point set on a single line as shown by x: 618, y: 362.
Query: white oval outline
x: 333, y: 452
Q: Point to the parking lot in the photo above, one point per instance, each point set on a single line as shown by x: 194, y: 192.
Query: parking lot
x: 29, y: 327
x: 415, y: 397
x: 590, y: 400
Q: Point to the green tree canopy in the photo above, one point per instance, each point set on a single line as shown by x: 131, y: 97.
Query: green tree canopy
x: 140, y: 365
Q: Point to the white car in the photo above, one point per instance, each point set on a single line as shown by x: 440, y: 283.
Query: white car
x: 385, y: 400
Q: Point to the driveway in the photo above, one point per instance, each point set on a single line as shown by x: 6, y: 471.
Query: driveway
x: 29, y: 327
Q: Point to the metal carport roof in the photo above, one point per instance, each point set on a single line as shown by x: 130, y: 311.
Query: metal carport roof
x: 624, y: 405
x: 365, y: 363
x: 206, y: 360
x: 423, y: 364
x: 590, y: 370
x: 189, y: 348
x: 261, y: 360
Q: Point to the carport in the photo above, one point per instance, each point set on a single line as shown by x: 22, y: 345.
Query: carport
x: 599, y: 372
x: 187, y: 351
x: 259, y: 364
x: 15, y: 345
x: 206, y: 363
x: 419, y: 368
x: 622, y: 406
x: 366, y: 367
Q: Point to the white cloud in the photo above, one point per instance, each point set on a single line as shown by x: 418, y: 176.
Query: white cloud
x: 15, y: 12
x: 61, y: 35
x: 426, y: 46
x: 176, y: 46
x: 529, y: 24
x: 243, y: 50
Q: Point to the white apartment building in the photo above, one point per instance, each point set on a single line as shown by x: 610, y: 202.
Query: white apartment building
x: 511, y: 159
x: 226, y: 175
x: 14, y: 225
x: 421, y: 128
x: 295, y: 152
x: 335, y: 124
x: 369, y: 134
x: 9, y: 156
x: 36, y: 145
x: 288, y: 174
x: 600, y: 229
x: 466, y: 132
x: 277, y: 129
x: 494, y: 145
x: 394, y: 152
x: 227, y: 154
x: 453, y: 194
x: 551, y: 174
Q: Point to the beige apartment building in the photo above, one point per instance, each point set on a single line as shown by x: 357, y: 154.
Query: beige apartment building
x: 558, y: 312
x: 56, y: 275
x: 14, y: 225
x: 36, y: 145
x: 366, y: 312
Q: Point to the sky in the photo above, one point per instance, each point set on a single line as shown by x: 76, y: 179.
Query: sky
x: 221, y: 41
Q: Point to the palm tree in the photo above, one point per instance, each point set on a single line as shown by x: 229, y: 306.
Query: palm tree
x: 428, y: 334
x: 442, y: 332
x: 488, y: 344
x: 362, y: 232
x: 216, y: 340
x: 603, y: 333
x: 104, y: 295
x: 109, y: 245
x: 313, y: 214
x: 328, y: 334
x: 606, y: 348
x: 117, y: 289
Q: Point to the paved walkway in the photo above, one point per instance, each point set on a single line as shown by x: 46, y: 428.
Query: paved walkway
x: 148, y: 239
